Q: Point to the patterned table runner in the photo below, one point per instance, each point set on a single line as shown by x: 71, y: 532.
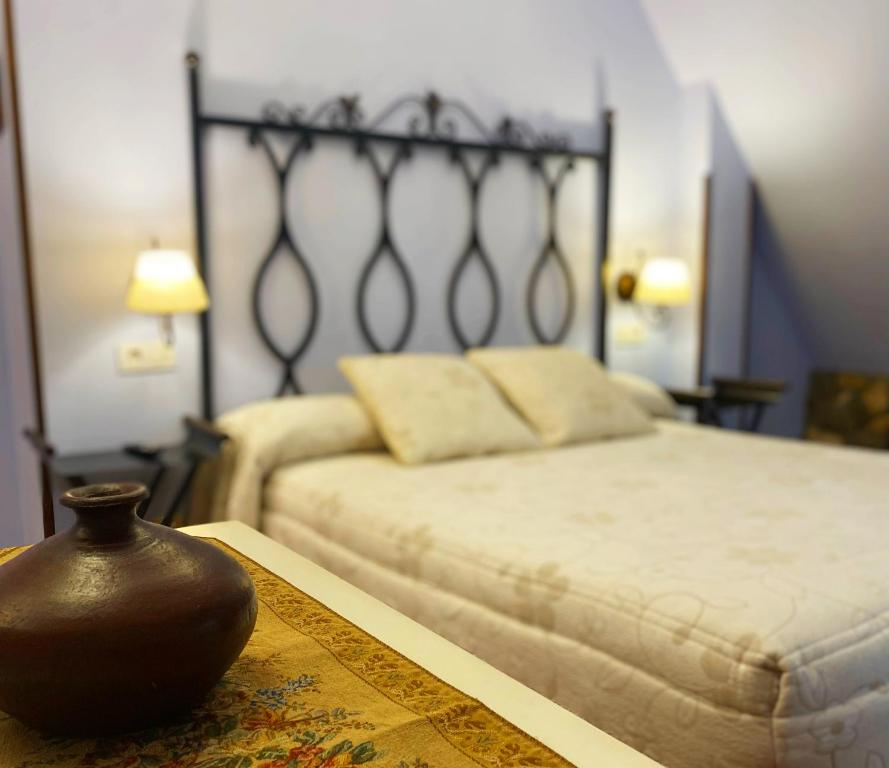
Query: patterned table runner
x: 310, y: 690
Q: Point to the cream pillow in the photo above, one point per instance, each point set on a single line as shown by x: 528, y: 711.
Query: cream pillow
x: 649, y: 396
x: 565, y: 395
x: 430, y: 407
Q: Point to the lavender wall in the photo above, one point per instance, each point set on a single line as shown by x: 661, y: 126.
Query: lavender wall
x: 780, y: 341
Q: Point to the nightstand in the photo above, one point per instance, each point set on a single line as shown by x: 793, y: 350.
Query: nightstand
x: 750, y: 397
x: 168, y: 471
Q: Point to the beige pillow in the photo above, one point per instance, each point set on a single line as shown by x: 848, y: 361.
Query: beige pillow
x: 430, y: 407
x: 565, y: 395
x: 649, y: 396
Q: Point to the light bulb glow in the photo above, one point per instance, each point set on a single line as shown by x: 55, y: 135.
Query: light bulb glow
x: 664, y: 282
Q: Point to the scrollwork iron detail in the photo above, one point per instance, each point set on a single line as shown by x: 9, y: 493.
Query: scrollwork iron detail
x: 474, y: 248
x: 385, y: 246
x: 520, y: 135
x: 428, y: 116
x: 411, y: 123
x: 551, y: 251
x: 341, y: 112
x: 432, y: 117
x: 429, y: 119
x: 285, y: 242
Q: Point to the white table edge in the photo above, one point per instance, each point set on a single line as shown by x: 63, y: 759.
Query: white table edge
x: 560, y: 730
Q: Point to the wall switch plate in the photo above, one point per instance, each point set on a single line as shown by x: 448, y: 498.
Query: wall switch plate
x: 146, y: 357
x: 631, y: 334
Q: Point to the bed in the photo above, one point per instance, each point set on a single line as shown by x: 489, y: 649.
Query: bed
x: 716, y: 600
x: 710, y: 598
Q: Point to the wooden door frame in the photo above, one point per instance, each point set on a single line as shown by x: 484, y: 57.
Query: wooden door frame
x: 13, y: 123
x: 704, y: 286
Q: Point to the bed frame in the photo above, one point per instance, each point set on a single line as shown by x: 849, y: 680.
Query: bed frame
x: 433, y: 124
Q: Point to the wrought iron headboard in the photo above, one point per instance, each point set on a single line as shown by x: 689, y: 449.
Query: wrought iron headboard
x: 431, y: 125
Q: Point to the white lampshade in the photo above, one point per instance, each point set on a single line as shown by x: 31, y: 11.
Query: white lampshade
x: 664, y: 282
x: 166, y: 282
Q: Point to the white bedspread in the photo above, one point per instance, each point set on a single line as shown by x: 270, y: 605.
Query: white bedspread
x: 713, y: 599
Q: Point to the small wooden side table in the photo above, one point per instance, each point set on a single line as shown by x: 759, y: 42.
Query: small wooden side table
x: 177, y: 464
x: 750, y: 396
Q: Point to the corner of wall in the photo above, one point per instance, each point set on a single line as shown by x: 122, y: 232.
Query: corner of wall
x: 780, y: 344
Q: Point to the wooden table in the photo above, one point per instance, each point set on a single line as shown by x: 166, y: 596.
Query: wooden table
x: 750, y: 396
x: 561, y: 731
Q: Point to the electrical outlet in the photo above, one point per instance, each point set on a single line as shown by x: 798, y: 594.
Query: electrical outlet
x: 145, y: 357
x: 631, y: 334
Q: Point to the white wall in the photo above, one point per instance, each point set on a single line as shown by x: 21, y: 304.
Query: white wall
x: 704, y: 147
x: 780, y: 346
x: 20, y: 508
x: 109, y: 167
x: 696, y: 156
x: 669, y: 352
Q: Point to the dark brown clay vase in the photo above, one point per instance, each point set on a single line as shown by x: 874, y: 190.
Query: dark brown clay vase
x: 117, y: 624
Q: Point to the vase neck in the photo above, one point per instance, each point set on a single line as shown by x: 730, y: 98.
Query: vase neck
x: 106, y: 514
x: 106, y: 526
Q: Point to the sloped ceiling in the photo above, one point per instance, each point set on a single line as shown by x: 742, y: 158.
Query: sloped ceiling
x: 805, y: 86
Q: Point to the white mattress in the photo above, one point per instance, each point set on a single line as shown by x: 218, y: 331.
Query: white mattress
x: 713, y: 599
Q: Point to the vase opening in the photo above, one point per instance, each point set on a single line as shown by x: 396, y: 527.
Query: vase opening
x: 104, y: 495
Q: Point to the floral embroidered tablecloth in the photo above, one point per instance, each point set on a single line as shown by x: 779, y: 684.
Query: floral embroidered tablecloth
x: 310, y: 690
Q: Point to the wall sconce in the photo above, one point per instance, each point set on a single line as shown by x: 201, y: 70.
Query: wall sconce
x: 661, y: 283
x: 166, y: 282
